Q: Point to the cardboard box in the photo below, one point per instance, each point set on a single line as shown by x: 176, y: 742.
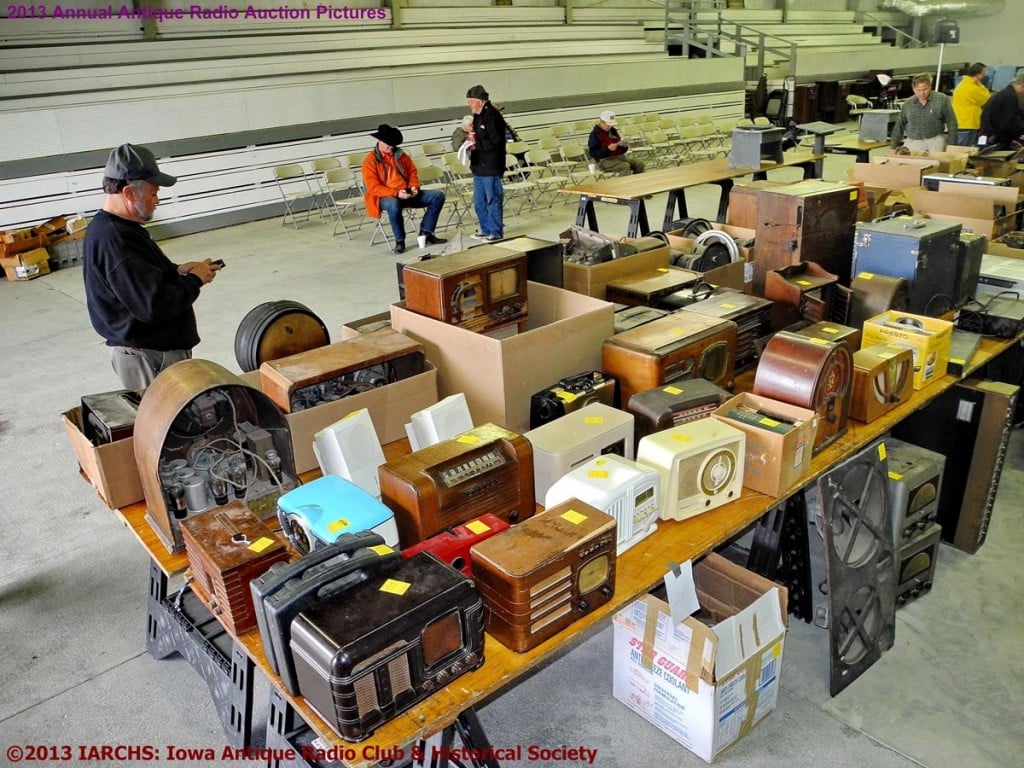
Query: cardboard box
x: 1002, y: 249
x: 706, y: 687
x: 773, y: 462
x: 26, y: 266
x: 929, y: 339
x: 591, y: 280
x: 933, y: 162
x: 390, y: 407
x: 369, y: 324
x: 563, y: 336
x: 988, y: 211
x: 738, y: 275
x: 110, y: 468
x: 886, y: 176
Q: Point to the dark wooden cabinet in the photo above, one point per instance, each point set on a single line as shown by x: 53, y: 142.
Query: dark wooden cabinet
x: 805, y: 103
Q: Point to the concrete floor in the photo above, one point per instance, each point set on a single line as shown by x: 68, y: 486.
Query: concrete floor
x: 73, y: 580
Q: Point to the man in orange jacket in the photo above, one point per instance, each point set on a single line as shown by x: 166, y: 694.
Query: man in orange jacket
x: 392, y: 185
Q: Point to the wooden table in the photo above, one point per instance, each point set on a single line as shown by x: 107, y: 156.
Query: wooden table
x: 292, y: 722
x: 634, y: 190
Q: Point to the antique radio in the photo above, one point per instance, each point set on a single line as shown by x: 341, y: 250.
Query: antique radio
x: 752, y: 315
x: 480, y: 289
x: 999, y: 274
x: 633, y: 317
x: 815, y: 293
x: 968, y: 265
x: 962, y: 346
x: 874, y: 294
x: 925, y: 252
x: 204, y: 436
x: 975, y: 418
x: 366, y: 655
x: 543, y: 258
x: 680, y: 346
x: 646, y: 289
x: 673, y: 404
x: 317, y: 513
x: 915, y: 565
x: 487, y: 469
x: 109, y: 416
x: 338, y: 370
x: 700, y: 464
x: 1000, y: 316
x: 563, y: 444
x: 227, y: 548
x: 287, y: 589
x: 811, y: 373
x: 571, y: 394
x: 452, y: 546
x: 542, y: 575
x: 619, y: 487
x: 810, y: 220
x: 931, y: 181
x: 915, y: 482
x: 833, y: 332
x: 883, y: 377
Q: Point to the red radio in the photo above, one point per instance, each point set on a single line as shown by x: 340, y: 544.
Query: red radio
x: 452, y: 546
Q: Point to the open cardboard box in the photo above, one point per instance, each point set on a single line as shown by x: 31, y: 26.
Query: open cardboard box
x: 984, y: 210
x: 933, y: 162
x: 563, y: 337
x: 110, y: 468
x: 888, y: 175
x: 705, y: 686
x: 591, y: 280
x: 738, y: 275
x: 26, y: 266
x: 928, y: 337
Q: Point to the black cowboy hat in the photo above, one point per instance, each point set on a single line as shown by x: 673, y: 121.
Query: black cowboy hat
x: 389, y: 135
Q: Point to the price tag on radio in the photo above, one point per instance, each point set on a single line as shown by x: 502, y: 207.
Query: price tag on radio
x: 598, y: 474
x: 467, y: 439
x: 260, y: 544
x: 682, y: 438
x: 887, y: 355
x: 672, y: 390
x: 338, y: 525
x: 726, y: 305
x: 866, y: 275
x: 395, y: 587
x: 895, y: 476
x: 477, y: 527
x: 568, y: 397
x: 829, y: 329
x: 820, y: 341
x: 574, y: 517
x: 803, y: 282
x: 382, y: 549
x: 881, y: 451
x: 663, y: 269
x: 593, y: 420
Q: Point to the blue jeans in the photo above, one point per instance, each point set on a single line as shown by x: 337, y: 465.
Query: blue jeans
x: 967, y: 137
x: 488, y: 200
x: 431, y: 199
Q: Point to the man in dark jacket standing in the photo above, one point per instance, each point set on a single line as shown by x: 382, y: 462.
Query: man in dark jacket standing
x: 1002, y: 117
x: 139, y: 301
x: 487, y: 162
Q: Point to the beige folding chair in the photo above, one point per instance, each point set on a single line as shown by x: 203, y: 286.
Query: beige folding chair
x: 299, y: 195
x: 544, y: 176
x: 342, y: 181
x: 434, y: 149
x: 517, y: 186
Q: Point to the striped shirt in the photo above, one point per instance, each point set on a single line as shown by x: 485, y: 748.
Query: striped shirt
x: 925, y: 121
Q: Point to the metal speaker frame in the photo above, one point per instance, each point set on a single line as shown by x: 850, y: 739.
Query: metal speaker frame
x: 277, y: 329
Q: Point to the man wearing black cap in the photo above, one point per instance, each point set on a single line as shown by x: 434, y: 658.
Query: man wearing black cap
x: 392, y: 185
x: 487, y: 162
x: 139, y: 301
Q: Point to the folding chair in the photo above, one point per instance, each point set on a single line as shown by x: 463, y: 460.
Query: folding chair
x: 547, y: 181
x: 296, y: 191
x: 341, y: 179
x: 516, y: 184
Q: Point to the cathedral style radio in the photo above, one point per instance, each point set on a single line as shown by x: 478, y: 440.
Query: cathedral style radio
x: 480, y: 289
x: 752, y: 315
x: 227, y: 548
x: 673, y: 404
x: 570, y: 394
x: 452, y: 546
x: 647, y: 289
x: 204, y: 437
x: 680, y: 346
x: 542, y: 575
x: 364, y: 656
x: 700, y: 464
x: 811, y: 373
x: 883, y: 377
x: 487, y: 469
x: 335, y: 371
x: 286, y: 589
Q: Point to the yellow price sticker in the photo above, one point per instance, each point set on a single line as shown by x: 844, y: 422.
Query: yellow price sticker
x: 477, y: 526
x: 663, y: 269
x: 895, y: 476
x: 820, y: 341
x: 260, y: 544
x: 866, y: 275
x: 568, y: 397
x: 881, y: 451
x: 338, y: 525
x: 853, y: 195
x: 887, y: 355
x: 467, y: 439
x: 381, y: 549
x: 678, y: 331
x: 803, y: 282
x: 598, y: 474
x: 574, y: 517
x: 829, y: 329
x: 353, y: 414
x: 672, y: 390
x: 728, y: 306
x: 395, y: 587
x: 769, y: 422
x: 681, y: 437
x: 593, y: 420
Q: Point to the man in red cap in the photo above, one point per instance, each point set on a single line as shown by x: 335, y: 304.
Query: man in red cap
x: 392, y: 185
x: 139, y: 301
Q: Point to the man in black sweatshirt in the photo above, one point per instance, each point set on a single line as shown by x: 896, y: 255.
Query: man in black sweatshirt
x: 139, y: 301
x: 487, y: 162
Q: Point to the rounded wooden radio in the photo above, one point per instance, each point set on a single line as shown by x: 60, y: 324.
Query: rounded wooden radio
x: 811, y: 373
x: 277, y: 329
x: 192, y: 419
x: 874, y: 294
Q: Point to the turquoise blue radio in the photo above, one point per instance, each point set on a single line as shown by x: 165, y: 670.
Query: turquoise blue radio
x: 318, y: 513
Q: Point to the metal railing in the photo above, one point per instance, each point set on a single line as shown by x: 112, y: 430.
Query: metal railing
x: 902, y: 39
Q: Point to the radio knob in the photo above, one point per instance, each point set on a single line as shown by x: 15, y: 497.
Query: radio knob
x: 471, y: 658
x: 442, y: 677
x: 583, y: 606
x: 606, y: 590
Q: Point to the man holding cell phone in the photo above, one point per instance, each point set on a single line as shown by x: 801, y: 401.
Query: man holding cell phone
x: 139, y: 301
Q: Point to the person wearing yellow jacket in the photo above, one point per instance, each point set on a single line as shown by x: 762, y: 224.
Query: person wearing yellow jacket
x: 969, y: 96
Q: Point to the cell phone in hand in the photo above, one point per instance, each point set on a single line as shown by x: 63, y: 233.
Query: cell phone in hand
x: 218, y: 262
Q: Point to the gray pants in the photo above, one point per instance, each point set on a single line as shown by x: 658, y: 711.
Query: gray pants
x: 622, y: 165
x: 138, y: 367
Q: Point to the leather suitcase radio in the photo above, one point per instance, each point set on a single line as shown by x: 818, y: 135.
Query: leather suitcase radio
x: 883, y: 377
x: 338, y: 370
x: 646, y: 289
x: 833, y: 332
x: 683, y: 345
x: 810, y: 373
x: 673, y: 404
x: 874, y: 294
x: 364, y: 656
x: 542, y: 575
x: 752, y: 315
x: 487, y: 469
x: 227, y: 548
x: 480, y: 289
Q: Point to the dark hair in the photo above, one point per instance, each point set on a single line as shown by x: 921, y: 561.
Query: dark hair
x: 116, y: 186
x: 975, y: 69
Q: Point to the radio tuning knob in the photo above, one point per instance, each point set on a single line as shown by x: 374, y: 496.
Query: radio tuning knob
x: 606, y: 590
x: 442, y: 676
x: 583, y: 606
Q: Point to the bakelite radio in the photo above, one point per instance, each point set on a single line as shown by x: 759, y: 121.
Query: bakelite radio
x: 647, y: 289
x: 673, y: 404
x: 571, y: 394
x: 480, y: 289
x: 542, y: 575
x: 452, y: 546
x: 364, y: 656
x: 700, y: 464
x: 680, y: 346
x: 487, y: 469
x: 227, y: 548
x: 339, y: 370
x: 811, y: 373
x: 883, y: 377
x: 752, y: 315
